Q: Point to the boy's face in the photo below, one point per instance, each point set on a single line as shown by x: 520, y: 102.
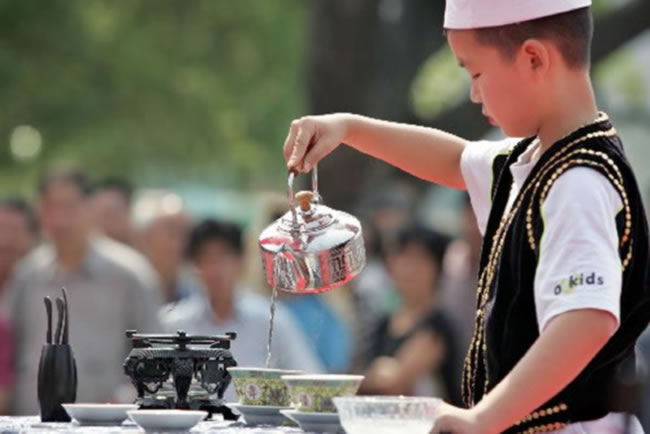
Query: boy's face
x: 505, y: 88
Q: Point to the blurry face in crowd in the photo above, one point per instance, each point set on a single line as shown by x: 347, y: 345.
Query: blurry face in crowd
x: 389, y: 220
x: 15, y: 238
x: 414, y: 271
x: 164, y: 241
x: 111, y: 215
x: 64, y: 214
x: 219, y: 266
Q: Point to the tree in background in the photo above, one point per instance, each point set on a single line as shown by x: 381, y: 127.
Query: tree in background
x: 196, y: 91
x: 153, y: 89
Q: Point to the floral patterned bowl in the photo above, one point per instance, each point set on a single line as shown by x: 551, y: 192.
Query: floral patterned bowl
x: 314, y: 393
x: 259, y: 386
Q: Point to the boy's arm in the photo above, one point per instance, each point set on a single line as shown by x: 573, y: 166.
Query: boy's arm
x: 565, y: 347
x: 427, y: 153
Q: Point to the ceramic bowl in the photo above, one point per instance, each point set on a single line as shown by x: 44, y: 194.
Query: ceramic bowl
x: 386, y: 414
x: 167, y: 420
x: 99, y: 414
x: 257, y: 415
x: 315, y: 422
x: 314, y: 393
x: 259, y: 386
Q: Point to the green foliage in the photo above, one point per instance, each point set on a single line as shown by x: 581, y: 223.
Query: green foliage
x: 621, y: 76
x: 159, y: 90
x: 439, y: 85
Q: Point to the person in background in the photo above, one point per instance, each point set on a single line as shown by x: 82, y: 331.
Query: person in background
x: 330, y: 335
x: 18, y: 234
x: 216, y: 250
x: 111, y: 289
x: 384, y: 212
x: 6, y: 366
x: 110, y: 205
x: 372, y: 291
x: 412, y: 349
x: 459, y: 282
x: 162, y: 230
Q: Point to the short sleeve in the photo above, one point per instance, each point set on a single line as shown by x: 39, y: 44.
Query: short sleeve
x: 579, y: 266
x: 476, y: 166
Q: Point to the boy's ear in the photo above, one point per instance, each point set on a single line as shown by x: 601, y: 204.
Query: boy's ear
x: 535, y: 54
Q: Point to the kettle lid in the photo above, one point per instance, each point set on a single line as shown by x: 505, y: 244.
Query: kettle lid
x: 310, y: 226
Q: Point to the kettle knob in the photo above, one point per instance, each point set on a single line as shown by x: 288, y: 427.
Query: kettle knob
x: 304, y: 199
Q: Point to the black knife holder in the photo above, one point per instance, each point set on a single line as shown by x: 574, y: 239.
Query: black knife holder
x: 57, y: 381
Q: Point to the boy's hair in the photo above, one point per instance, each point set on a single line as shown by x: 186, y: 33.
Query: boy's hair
x: 213, y: 230
x: 70, y: 176
x: 571, y: 32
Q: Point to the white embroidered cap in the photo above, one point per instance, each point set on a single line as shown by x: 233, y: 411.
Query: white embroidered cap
x: 476, y: 14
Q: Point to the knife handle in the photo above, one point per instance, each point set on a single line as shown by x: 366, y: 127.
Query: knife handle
x: 66, y: 322
x: 59, y: 323
x: 48, y: 310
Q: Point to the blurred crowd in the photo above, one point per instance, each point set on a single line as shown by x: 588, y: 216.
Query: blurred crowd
x: 145, y: 263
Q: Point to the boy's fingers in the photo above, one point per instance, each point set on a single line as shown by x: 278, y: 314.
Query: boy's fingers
x: 287, y: 149
x: 303, y: 137
x: 317, y: 153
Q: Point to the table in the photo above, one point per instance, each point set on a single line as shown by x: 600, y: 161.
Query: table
x: 33, y: 424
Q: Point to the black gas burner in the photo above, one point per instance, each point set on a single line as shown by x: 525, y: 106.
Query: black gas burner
x: 163, y: 367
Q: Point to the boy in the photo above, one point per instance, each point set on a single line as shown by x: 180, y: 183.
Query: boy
x: 563, y: 289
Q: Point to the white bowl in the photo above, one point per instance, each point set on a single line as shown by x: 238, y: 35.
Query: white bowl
x: 315, y: 422
x: 99, y: 414
x: 261, y: 414
x: 167, y: 420
x: 386, y: 414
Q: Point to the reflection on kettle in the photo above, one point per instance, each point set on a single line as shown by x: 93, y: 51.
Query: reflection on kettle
x: 311, y: 248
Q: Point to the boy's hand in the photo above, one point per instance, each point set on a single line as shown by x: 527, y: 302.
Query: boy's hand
x: 454, y: 420
x: 313, y: 137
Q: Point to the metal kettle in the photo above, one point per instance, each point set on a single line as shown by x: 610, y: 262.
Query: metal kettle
x: 312, y: 248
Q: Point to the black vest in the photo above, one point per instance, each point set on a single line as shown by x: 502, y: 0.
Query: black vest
x: 506, y: 324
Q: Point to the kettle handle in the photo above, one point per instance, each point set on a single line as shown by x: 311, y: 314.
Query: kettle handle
x: 314, y: 187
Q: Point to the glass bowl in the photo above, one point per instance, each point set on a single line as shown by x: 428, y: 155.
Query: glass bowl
x: 386, y: 414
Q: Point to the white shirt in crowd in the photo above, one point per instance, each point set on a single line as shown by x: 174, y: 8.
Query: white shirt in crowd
x: 579, y: 266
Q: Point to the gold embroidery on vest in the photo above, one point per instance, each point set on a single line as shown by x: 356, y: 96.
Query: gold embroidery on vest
x: 477, y: 352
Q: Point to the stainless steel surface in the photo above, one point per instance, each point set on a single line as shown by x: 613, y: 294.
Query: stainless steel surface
x: 312, y: 248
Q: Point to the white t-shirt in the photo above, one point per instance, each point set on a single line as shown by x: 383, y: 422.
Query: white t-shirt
x: 579, y: 265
